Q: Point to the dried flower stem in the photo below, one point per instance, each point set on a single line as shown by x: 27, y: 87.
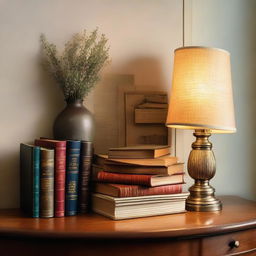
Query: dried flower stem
x: 77, y: 69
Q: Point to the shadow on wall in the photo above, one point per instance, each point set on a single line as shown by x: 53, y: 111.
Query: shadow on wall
x: 108, y: 98
x: 148, y: 72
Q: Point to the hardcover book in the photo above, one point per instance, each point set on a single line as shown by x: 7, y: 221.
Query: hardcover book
x: 47, y: 183
x: 160, y: 161
x: 29, y: 179
x: 85, y: 173
x: 140, y: 151
x: 59, y: 172
x: 72, y: 175
x: 139, y: 179
x: 121, y: 190
x: 134, y: 207
x: 138, y: 169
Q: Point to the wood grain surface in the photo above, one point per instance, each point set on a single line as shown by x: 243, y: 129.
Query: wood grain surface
x: 237, y: 214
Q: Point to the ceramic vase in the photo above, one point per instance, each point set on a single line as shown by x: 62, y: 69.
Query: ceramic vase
x: 75, y: 122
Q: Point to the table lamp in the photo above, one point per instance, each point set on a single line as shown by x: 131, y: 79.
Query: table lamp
x: 202, y: 99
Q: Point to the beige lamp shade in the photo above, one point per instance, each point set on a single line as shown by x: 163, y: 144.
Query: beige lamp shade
x: 201, y: 94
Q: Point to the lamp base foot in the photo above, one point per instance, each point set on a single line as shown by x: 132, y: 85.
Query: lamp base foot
x: 202, y: 199
x: 204, y: 207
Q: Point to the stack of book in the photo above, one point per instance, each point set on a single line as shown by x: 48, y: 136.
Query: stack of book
x: 138, y: 181
x: 54, y: 177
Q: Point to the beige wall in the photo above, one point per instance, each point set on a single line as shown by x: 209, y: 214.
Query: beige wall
x: 230, y: 25
x: 142, y: 35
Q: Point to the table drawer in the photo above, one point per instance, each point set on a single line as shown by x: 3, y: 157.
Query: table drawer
x: 230, y: 244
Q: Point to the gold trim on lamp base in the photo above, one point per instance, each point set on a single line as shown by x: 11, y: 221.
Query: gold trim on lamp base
x: 202, y: 167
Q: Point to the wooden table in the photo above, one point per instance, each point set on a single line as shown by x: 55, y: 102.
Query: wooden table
x: 229, y: 232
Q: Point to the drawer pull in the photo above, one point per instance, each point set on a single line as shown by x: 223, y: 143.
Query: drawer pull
x: 234, y: 244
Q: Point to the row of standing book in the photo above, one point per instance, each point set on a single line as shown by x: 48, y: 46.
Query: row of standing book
x: 138, y: 181
x: 54, y: 177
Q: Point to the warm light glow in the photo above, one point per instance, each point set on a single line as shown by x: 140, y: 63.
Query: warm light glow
x: 201, y: 94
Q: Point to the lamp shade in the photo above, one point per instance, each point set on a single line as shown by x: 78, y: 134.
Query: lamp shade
x: 201, y: 94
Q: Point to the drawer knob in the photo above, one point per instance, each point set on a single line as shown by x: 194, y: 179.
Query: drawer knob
x: 234, y: 244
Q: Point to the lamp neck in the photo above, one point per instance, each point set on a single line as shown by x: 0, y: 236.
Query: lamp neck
x: 202, y: 139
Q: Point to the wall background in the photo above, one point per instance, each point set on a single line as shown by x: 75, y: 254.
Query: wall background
x: 142, y: 35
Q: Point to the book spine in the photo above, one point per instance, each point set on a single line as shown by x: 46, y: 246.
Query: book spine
x: 47, y: 184
x: 130, y: 191
x: 85, y: 172
x: 72, y: 171
x: 59, y: 181
x: 36, y: 181
x: 133, y: 179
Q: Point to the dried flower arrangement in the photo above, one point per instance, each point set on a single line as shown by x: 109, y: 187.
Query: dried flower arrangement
x: 77, y: 69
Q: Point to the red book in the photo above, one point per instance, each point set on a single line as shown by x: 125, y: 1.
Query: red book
x: 140, y: 179
x: 59, y: 172
x: 118, y: 190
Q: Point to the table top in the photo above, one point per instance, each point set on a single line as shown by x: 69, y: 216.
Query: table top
x: 237, y: 214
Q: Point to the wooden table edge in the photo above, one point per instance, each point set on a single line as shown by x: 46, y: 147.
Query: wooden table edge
x: 171, y: 234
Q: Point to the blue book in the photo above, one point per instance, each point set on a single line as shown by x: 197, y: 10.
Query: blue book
x: 72, y: 174
x: 30, y: 179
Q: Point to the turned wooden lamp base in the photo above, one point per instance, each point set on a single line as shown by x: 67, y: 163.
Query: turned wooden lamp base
x: 202, y: 167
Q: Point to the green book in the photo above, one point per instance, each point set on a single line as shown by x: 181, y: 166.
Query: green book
x: 29, y: 179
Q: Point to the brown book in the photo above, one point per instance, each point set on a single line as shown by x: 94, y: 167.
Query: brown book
x: 121, y: 190
x: 47, y: 183
x: 136, y: 169
x: 160, y: 161
x: 140, y: 151
x: 139, y: 179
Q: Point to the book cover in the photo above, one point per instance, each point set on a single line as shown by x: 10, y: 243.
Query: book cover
x: 59, y: 172
x: 47, y: 183
x: 29, y: 179
x: 72, y: 175
x: 140, y: 151
x: 85, y: 174
x: 139, y: 179
x: 121, y: 190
